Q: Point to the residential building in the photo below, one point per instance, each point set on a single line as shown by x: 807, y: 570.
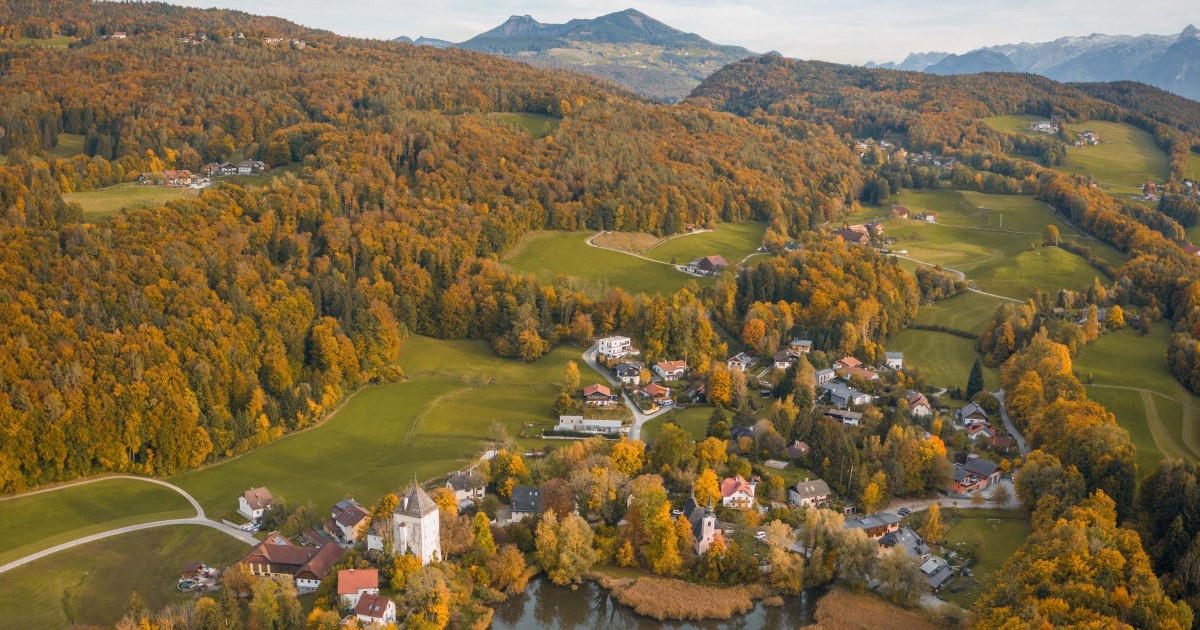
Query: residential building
x: 899, y: 212
x: 597, y: 395
x: 858, y: 372
x: 468, y: 485
x: 934, y: 568
x: 615, y: 347
x: 843, y: 396
x: 981, y: 431
x: 659, y: 394
x: 740, y: 362
x: 354, y: 583
x: 853, y: 237
x: 847, y: 362
x: 348, y: 519
x: 785, y: 359
x: 737, y: 493
x: 254, y: 502
x: 279, y: 558
x: 246, y: 167
x: 809, y: 493
x: 739, y: 431
x: 671, y: 370
x: 526, y: 501
x: 974, y: 476
x: 177, y: 178
x: 894, y: 360
x: 375, y: 611
x: 825, y: 376
x: 579, y: 424
x: 971, y: 414
x: 928, y: 216
x: 416, y: 524
x: 874, y: 525
x: 629, y: 372
x: 797, y: 450
x: 708, y: 266
x: 918, y: 404
x: 845, y: 416
x: 801, y: 346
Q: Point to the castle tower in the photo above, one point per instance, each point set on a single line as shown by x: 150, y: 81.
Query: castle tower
x: 416, y: 526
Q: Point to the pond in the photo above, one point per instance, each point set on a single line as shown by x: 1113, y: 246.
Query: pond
x: 546, y: 605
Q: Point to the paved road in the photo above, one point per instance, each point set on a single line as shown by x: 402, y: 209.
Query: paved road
x: 1009, y: 426
x: 199, y: 519
x: 639, y: 418
x: 961, y: 276
x: 917, y: 505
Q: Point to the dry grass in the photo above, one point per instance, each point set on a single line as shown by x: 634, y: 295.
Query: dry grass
x: 663, y: 598
x: 636, y: 242
x: 843, y: 610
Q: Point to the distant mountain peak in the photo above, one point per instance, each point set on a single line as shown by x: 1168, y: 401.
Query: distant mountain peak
x: 1189, y: 32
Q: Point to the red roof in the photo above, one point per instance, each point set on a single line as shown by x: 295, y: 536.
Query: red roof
x: 372, y: 606
x: 654, y: 389
x: 850, y: 362
x: 258, y: 498
x: 351, y: 581
x: 596, y: 389
x: 733, y: 485
x: 671, y: 366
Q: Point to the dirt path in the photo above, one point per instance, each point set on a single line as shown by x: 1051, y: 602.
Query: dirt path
x: 1162, y: 436
x: 961, y: 276
x: 1190, y: 446
x: 591, y: 241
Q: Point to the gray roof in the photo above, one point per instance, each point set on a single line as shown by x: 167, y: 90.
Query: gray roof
x: 825, y: 371
x: 970, y: 409
x: 465, y: 480
x: 814, y: 488
x: 894, y: 355
x: 981, y: 467
x: 908, y: 540
x: 879, y: 519
x: 526, y: 500
x: 841, y: 391
x: 936, y: 571
x: 739, y: 431
x: 416, y: 503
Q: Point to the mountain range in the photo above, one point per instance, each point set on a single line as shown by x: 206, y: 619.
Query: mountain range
x: 1170, y: 62
x: 628, y: 48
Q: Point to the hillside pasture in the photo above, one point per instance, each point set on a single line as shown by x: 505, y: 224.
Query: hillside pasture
x: 72, y: 512
x: 100, y: 203
x: 967, y: 311
x: 1126, y: 157
x: 89, y: 585
x: 69, y: 145
x: 944, y: 360
x: 1047, y: 268
x: 693, y: 419
x: 1018, y: 123
x: 536, y: 125
x: 733, y: 241
x: 56, y: 41
x: 632, y: 242
x: 549, y: 254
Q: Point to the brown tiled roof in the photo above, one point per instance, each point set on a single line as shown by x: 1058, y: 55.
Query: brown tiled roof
x: 350, y: 581
x: 596, y: 389
x: 351, y: 516
x: 732, y: 485
x: 258, y: 498
x: 372, y: 606
x: 319, y: 564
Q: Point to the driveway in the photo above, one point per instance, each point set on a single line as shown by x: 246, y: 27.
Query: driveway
x: 918, y: 505
x: 1009, y: 426
x: 639, y: 418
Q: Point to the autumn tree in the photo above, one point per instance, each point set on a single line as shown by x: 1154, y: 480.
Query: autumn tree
x: 564, y: 547
x: 719, y: 387
x: 707, y: 489
x: 931, y: 530
x: 1051, y: 236
x: 570, y: 381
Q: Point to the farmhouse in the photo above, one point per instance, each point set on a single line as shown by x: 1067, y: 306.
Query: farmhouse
x: 615, y: 347
x: 246, y: 167
x: 853, y: 237
x: 899, y: 212
x: 918, y: 405
x: 843, y: 396
x: 738, y: 493
x: 971, y: 414
x: 253, y: 502
x: 375, y: 611
x: 597, y: 395
x: 809, y: 493
x: 468, y: 485
x: 354, y: 583
x: 1089, y: 137
x: 894, y: 360
x: 874, y: 525
x: 220, y: 169
x: 928, y: 216
x: 279, y: 558
x: 526, y: 501
x: 740, y: 362
x: 708, y: 266
x: 844, y: 416
x: 1043, y: 126
x: 629, y: 372
x: 579, y: 424
x: 671, y: 370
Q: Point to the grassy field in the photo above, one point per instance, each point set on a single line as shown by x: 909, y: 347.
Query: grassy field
x: 1048, y: 268
x: 264, y: 179
x: 1161, y: 420
x: 944, y: 360
x: 1125, y: 159
x: 425, y: 426
x: 1002, y: 533
x: 69, y: 145
x: 77, y: 511
x: 1018, y: 123
x: 968, y: 311
x: 1192, y: 170
x: 694, y: 419
x: 733, y: 241
x: 89, y: 585
x: 536, y: 125
x: 635, y: 242
x: 101, y: 203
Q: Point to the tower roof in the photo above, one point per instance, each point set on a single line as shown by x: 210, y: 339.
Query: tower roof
x: 416, y: 502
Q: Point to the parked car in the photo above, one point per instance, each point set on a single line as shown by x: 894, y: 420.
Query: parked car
x: 904, y: 511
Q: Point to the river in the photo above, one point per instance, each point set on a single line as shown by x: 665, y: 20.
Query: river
x: 545, y: 605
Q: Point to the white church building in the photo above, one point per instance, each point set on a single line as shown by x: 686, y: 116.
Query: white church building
x: 415, y: 527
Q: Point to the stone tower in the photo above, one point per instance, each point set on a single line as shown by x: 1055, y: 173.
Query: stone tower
x: 416, y: 526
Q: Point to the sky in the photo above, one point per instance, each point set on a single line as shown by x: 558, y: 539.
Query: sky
x: 845, y: 31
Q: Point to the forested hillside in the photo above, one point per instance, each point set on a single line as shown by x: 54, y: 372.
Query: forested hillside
x: 163, y: 338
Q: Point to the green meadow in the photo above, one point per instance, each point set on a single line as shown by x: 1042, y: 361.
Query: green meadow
x: 69, y: 145
x: 81, y: 511
x: 733, y: 241
x: 693, y: 419
x: 89, y: 585
x: 1001, y: 533
x: 967, y: 311
x: 536, y: 125
x: 1126, y: 157
x: 1018, y: 123
x: 944, y: 360
x: 100, y: 203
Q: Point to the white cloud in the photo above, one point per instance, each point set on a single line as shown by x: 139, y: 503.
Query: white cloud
x: 848, y: 31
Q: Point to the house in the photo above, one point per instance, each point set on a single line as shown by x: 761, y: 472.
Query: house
x: 615, y: 347
x: 246, y: 167
x: 657, y: 393
x: 739, y: 431
x: 936, y: 571
x: 846, y: 362
x: 843, y: 396
x: 1190, y: 250
x: 874, y: 525
x: 809, y: 493
x: 217, y: 169
x: 858, y: 372
x: 784, y: 359
x: 801, y: 346
x: 853, y: 237
x: 894, y: 360
x: 671, y: 370
x: 1043, y: 126
x: 918, y: 404
x: 120, y: 35
x: 928, y: 216
x: 983, y: 431
x: 844, y: 416
x: 629, y: 372
x: 797, y: 450
x: 971, y: 414
x: 899, y: 212
x: 704, y: 523
x: 468, y: 485
x: 354, y: 583
x: 825, y: 376
x: 1101, y: 314
x: 579, y: 424
x: 416, y: 526
x: 177, y: 178
x: 1090, y: 137
x: 279, y: 558
x: 737, y: 493
x: 348, y: 517
x: 253, y: 502
x: 375, y: 611
x: 192, y: 571
x: 526, y: 501
x: 708, y: 266
x: 934, y: 568
x: 974, y: 476
x: 598, y: 395
x: 740, y: 362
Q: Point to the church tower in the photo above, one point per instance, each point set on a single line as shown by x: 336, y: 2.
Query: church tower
x: 416, y: 526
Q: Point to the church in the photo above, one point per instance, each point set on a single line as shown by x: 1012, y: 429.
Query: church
x: 415, y: 527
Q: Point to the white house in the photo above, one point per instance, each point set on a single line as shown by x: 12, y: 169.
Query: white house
x: 375, y: 611
x: 580, y: 424
x: 468, y: 485
x: 526, y: 501
x: 348, y: 516
x: 843, y: 396
x: 254, y: 502
x: 809, y: 493
x: 971, y: 414
x: 629, y: 372
x: 615, y: 347
x: 671, y: 370
x: 738, y: 493
x: 415, y: 526
x: 825, y: 376
x: 801, y: 346
x: 918, y: 404
x: 785, y: 359
x: 354, y: 583
x: 894, y: 360
x: 740, y: 362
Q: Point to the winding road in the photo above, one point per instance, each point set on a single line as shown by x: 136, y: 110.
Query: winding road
x: 639, y: 418
x: 961, y: 276
x: 199, y: 519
